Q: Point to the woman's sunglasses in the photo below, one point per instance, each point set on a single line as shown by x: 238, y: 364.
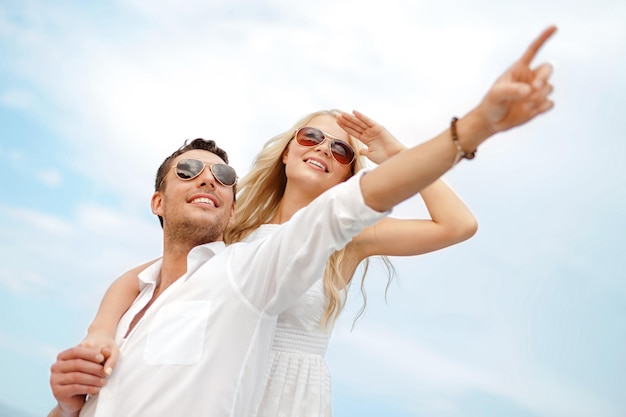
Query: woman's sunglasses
x: 188, y: 169
x: 341, y: 151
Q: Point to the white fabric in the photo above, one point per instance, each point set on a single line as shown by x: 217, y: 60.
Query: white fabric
x: 298, y: 382
x: 202, y: 348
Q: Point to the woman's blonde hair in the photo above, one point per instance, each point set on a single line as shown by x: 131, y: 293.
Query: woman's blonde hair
x: 259, y: 196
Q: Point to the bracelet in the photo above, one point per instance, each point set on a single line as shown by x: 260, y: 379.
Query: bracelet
x: 460, y: 153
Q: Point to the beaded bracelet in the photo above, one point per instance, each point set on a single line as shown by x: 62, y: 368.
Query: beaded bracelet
x: 460, y: 153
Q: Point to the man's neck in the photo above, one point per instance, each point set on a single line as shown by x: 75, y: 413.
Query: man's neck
x: 174, y: 265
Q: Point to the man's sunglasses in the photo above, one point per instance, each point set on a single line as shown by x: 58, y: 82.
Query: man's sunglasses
x: 341, y: 151
x: 188, y: 169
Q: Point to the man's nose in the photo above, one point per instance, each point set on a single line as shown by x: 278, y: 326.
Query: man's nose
x: 207, y: 178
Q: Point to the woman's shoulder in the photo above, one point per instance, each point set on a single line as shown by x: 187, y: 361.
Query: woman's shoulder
x: 261, y: 232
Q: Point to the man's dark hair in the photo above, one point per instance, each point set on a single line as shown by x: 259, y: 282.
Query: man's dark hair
x: 199, y: 143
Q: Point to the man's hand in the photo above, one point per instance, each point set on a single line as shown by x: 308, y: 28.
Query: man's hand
x: 76, y: 373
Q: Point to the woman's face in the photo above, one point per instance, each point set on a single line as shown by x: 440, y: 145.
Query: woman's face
x: 315, y: 165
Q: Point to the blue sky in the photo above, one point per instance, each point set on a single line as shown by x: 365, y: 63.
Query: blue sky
x: 526, y: 319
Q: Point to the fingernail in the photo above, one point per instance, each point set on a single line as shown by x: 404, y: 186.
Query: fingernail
x: 99, y: 357
x: 108, y: 370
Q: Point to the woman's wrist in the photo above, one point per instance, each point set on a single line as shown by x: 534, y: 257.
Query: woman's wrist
x: 102, y: 326
x: 472, y: 130
x: 399, y: 148
x: 58, y: 411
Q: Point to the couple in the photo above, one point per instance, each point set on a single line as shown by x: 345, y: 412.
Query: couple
x: 214, y: 329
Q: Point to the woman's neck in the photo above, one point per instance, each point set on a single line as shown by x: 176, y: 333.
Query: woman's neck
x: 292, y: 201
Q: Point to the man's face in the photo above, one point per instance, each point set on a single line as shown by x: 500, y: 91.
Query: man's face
x: 194, y: 211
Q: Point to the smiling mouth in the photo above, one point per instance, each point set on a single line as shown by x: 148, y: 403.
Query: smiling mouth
x: 317, y: 164
x: 203, y: 200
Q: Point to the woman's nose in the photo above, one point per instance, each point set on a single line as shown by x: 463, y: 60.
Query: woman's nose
x: 324, y: 146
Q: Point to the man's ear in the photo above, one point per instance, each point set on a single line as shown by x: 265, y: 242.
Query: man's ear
x: 156, y: 203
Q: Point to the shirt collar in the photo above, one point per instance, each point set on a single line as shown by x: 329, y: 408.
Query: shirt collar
x: 150, y: 275
x: 197, y: 256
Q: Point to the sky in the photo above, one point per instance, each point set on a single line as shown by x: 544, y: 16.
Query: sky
x: 526, y: 319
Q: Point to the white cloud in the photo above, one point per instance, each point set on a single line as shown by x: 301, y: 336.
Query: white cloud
x: 27, y: 347
x: 77, y: 258
x: 23, y: 282
x: 20, y: 99
x: 13, y: 155
x: 100, y: 220
x: 39, y: 220
x: 51, y: 178
x: 123, y: 91
x: 425, y: 379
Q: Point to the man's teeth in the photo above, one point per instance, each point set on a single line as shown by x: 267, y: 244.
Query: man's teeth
x: 204, y: 200
x: 316, y: 163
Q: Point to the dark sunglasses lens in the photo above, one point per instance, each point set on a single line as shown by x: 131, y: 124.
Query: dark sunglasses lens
x: 343, y: 152
x: 225, y: 174
x: 187, y: 169
x: 309, y: 136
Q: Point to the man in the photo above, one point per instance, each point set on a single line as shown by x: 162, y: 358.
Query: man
x: 196, y: 341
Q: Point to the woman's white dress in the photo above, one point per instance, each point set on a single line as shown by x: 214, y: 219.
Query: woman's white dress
x: 298, y: 382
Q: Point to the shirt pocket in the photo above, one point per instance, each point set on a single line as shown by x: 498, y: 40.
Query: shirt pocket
x: 177, y: 334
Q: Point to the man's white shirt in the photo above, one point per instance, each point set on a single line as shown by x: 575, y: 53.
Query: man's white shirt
x: 202, y: 347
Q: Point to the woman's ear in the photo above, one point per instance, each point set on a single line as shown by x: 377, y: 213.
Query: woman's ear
x: 285, y: 153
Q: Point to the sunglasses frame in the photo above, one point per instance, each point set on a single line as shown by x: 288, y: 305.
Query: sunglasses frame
x: 331, y: 140
x: 204, y: 165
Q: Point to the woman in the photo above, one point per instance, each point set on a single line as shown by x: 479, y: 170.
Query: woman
x: 286, y: 176
x: 292, y: 170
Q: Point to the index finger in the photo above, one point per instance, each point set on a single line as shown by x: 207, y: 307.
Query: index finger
x: 534, y: 47
x: 81, y: 352
x: 366, y: 121
x: 111, y: 354
x: 350, y: 124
